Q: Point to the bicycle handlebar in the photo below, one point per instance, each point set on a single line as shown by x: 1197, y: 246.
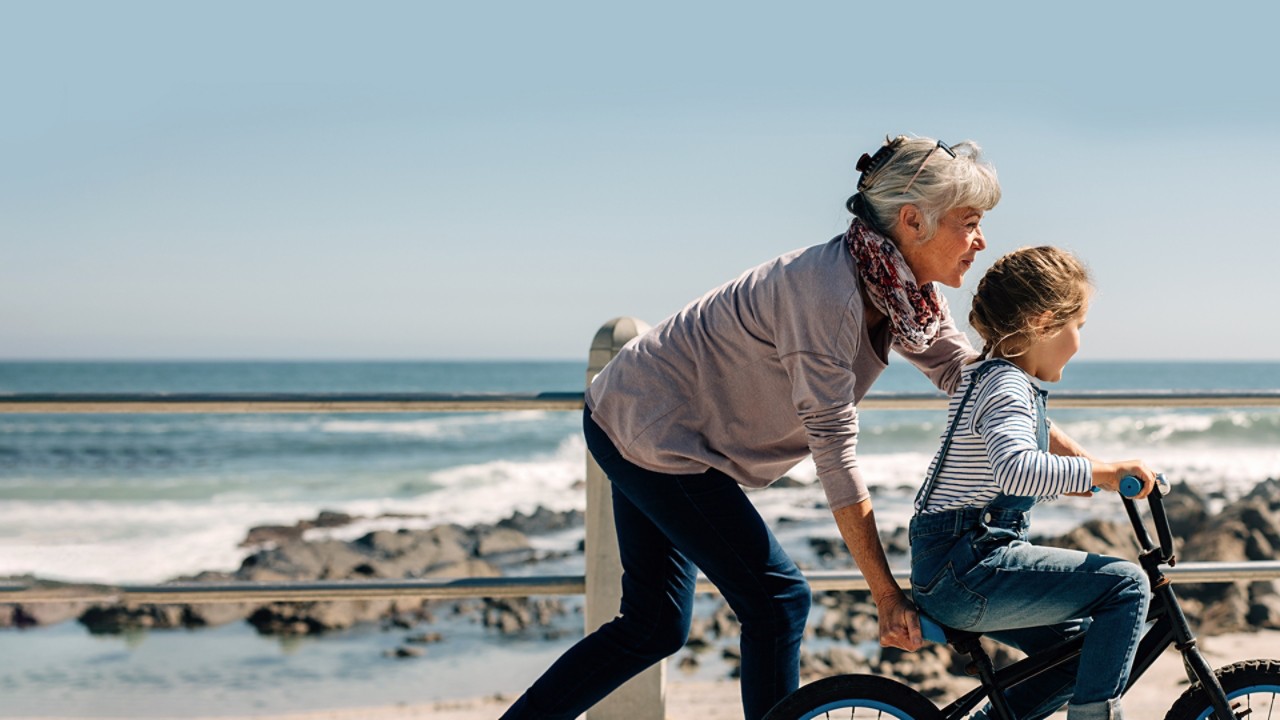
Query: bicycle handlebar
x: 1130, y: 486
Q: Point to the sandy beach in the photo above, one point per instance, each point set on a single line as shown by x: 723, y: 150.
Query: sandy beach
x: 718, y: 700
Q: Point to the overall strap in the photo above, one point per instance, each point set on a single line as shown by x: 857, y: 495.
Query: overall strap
x: 922, y: 497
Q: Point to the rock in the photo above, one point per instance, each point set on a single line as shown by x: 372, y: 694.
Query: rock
x: 786, y: 481
x: 40, y: 614
x: 467, y: 568
x: 101, y: 620
x: 1104, y: 537
x: 542, y: 521
x: 321, y: 560
x: 412, y: 553
x: 1246, y: 529
x: 1264, y: 613
x: 1227, y: 613
x: 516, y: 615
x: 1268, y: 492
x: 828, y: 549
x: 699, y: 628
x: 215, y: 614
x: 1186, y: 509
x: 897, y: 542
x: 316, y: 617
x: 263, y: 534
x: 1258, y: 546
x: 841, y: 659
x: 332, y: 519
x: 502, y: 541
x: 403, y: 652
x: 426, y: 638
x: 725, y: 622
x: 831, y: 625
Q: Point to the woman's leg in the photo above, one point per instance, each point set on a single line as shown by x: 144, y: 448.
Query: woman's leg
x: 1026, y: 586
x: 655, y: 613
x: 666, y: 523
x: 709, y: 518
x: 652, y: 623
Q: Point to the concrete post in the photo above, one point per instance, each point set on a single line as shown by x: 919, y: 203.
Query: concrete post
x: 644, y: 696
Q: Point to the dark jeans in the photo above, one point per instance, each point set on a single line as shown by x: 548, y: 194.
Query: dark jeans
x: 668, y: 527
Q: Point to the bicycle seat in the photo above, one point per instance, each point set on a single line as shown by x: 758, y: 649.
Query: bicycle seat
x: 934, y: 631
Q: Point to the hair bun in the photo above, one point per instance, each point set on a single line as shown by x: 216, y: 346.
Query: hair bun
x: 856, y: 204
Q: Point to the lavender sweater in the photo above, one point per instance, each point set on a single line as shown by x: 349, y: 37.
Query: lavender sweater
x: 760, y: 372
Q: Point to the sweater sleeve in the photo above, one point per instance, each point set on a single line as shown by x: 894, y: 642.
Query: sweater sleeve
x: 822, y: 392
x: 1004, y: 416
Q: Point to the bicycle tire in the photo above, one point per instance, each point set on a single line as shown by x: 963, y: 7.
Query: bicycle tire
x: 1249, y: 684
x: 880, y: 696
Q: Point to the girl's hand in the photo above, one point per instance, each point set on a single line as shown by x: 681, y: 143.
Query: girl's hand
x: 1108, y: 475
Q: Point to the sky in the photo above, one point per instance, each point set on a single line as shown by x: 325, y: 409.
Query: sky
x: 384, y: 180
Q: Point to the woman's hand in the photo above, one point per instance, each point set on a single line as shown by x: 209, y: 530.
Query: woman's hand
x: 1108, y: 475
x: 899, y: 622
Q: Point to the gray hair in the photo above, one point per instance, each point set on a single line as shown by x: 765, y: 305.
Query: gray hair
x: 943, y: 184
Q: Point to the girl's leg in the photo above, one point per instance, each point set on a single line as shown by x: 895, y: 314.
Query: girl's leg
x: 1025, y: 586
x: 1044, y: 694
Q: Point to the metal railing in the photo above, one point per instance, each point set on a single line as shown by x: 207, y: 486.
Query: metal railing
x: 643, y: 696
x: 120, y: 403
x: 194, y: 593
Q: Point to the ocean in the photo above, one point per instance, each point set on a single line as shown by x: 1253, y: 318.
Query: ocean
x: 146, y: 498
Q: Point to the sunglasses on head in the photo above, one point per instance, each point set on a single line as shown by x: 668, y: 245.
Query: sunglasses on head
x: 868, y: 164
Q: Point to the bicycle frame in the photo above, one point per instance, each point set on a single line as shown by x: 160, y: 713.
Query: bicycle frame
x: 1167, y: 626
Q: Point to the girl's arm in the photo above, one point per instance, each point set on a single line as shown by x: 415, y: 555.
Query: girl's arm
x: 1062, y: 444
x: 1105, y: 475
x: 1005, y: 417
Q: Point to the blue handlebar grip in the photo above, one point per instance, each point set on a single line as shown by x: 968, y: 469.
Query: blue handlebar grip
x: 1130, y: 486
x: 931, y: 630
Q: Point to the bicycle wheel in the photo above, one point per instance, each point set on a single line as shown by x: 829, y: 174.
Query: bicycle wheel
x: 855, y: 696
x: 1253, y: 686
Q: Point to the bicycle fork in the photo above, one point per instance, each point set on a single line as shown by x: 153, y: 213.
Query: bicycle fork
x: 1193, y: 662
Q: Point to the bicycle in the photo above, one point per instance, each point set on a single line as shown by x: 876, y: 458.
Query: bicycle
x: 1227, y: 693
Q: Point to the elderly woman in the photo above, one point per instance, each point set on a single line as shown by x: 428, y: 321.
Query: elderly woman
x: 741, y: 385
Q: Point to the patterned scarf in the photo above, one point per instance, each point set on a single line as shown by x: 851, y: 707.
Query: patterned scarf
x: 915, y: 313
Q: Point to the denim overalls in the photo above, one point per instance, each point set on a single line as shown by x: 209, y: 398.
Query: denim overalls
x: 973, y: 569
x: 947, y: 544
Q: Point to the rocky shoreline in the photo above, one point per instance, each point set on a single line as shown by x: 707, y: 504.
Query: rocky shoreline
x: 842, y: 638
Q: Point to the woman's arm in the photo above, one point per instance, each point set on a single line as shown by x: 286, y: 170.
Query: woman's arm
x: 899, y: 623
x: 943, y: 361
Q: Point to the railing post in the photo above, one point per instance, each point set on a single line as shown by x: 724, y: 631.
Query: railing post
x: 644, y: 696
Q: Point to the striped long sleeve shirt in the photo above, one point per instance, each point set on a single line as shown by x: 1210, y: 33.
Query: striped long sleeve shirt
x: 994, y: 448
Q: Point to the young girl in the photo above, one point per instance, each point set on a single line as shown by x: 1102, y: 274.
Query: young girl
x: 971, y: 565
